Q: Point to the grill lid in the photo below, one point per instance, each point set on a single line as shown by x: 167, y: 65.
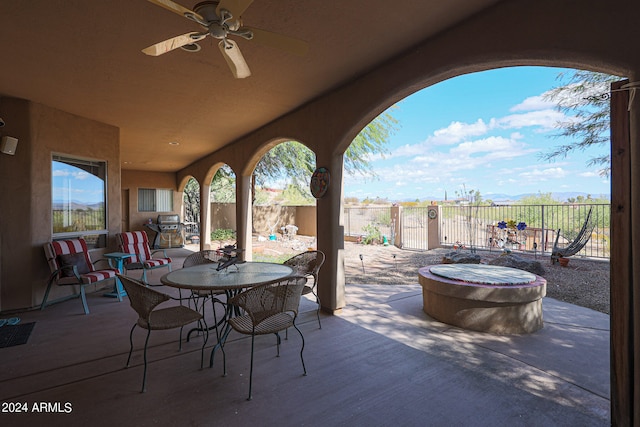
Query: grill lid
x: 168, y: 219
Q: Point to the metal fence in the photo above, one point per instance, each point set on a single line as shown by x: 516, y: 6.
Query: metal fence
x: 477, y: 227
x: 363, y: 221
x: 415, y: 233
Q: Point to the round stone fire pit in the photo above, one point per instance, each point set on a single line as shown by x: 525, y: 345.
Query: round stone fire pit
x: 484, y: 298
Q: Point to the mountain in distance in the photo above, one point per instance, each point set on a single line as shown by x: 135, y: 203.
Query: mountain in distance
x: 75, y: 205
x: 562, y: 196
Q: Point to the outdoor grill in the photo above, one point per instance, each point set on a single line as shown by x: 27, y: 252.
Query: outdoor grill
x: 169, y: 232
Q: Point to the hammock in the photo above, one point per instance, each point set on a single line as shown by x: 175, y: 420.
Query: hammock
x: 577, y: 244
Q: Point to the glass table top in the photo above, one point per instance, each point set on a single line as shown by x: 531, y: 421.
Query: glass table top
x: 205, y: 276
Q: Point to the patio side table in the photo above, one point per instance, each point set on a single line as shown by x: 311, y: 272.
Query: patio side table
x: 118, y: 257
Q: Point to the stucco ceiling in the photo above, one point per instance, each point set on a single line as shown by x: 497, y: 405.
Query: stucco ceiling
x: 84, y: 57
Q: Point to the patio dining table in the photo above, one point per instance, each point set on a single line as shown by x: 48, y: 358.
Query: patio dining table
x: 231, y: 280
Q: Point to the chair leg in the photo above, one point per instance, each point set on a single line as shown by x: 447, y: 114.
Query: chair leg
x: 83, y: 297
x: 251, y: 368
x: 301, y: 349
x: 144, y: 374
x: 318, y: 310
x: 46, y: 293
x: 131, y: 344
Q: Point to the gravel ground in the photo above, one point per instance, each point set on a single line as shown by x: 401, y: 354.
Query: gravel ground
x: 584, y: 282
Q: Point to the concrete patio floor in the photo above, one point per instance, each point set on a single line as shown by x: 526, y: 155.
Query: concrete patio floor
x: 379, y: 362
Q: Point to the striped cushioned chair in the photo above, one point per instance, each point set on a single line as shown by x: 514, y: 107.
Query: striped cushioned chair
x: 137, y: 244
x: 70, y: 264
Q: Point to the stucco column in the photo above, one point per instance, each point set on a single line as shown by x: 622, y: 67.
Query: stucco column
x: 244, y: 215
x: 330, y: 220
x: 205, y: 216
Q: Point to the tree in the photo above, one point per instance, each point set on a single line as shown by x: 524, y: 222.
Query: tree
x: 584, y: 99
x: 223, y: 186
x: 223, y: 190
x: 295, y: 161
x: 191, y: 201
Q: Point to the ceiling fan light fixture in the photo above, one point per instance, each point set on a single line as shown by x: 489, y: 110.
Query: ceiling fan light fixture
x: 192, y: 47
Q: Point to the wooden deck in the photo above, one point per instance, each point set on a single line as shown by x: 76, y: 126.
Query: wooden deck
x: 380, y: 362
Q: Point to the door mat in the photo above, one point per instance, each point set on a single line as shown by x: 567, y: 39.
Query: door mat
x: 16, y: 334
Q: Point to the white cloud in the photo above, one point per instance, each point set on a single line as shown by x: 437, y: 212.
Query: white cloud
x: 543, y: 118
x: 81, y: 175
x: 498, y: 147
x: 476, y: 157
x: 537, y: 175
x: 458, y: 131
x: 533, y: 103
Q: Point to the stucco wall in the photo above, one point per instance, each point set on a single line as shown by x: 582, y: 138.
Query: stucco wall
x: 265, y: 217
x: 133, y: 180
x: 223, y: 215
x: 26, y: 210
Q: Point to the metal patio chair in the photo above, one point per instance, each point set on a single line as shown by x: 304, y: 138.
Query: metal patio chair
x: 200, y: 297
x: 268, y: 309
x: 308, y: 264
x: 136, y: 243
x: 71, y: 265
x: 144, y: 301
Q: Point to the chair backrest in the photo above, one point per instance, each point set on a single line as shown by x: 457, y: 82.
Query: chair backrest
x: 54, y: 250
x: 306, y: 263
x: 135, y: 243
x: 143, y: 299
x: 277, y: 296
x: 201, y: 257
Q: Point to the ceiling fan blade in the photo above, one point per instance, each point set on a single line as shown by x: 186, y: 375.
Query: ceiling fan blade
x: 279, y: 41
x: 234, y: 58
x: 236, y: 7
x: 175, y: 8
x: 173, y: 43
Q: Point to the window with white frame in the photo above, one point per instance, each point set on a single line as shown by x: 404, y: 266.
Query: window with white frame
x: 78, y: 199
x: 155, y: 200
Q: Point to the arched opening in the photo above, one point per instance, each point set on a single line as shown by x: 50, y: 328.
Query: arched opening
x: 217, y: 223
x: 284, y: 210
x: 472, y: 133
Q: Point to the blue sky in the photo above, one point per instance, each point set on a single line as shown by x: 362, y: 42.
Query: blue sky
x: 76, y: 185
x: 484, y: 131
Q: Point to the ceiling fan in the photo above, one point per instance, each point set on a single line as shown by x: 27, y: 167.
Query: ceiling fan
x: 221, y: 19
